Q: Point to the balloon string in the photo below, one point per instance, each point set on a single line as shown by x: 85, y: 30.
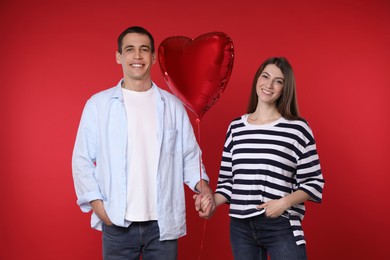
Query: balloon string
x: 201, y: 184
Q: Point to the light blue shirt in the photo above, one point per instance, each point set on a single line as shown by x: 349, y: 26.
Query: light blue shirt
x: 100, y: 152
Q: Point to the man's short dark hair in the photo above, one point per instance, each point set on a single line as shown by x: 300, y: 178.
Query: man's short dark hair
x: 135, y: 29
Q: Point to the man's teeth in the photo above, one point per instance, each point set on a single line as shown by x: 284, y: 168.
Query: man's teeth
x: 136, y: 65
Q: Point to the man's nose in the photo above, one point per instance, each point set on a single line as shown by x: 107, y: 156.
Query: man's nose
x: 137, y: 54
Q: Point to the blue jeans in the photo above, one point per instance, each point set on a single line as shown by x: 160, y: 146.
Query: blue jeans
x: 255, y: 237
x: 139, y: 239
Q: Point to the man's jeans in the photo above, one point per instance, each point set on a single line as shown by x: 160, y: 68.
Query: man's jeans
x: 255, y: 237
x: 140, y: 238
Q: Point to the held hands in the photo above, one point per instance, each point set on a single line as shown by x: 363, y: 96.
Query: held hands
x: 204, y: 201
x: 204, y: 205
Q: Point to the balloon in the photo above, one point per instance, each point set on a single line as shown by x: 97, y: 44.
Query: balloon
x: 197, y: 71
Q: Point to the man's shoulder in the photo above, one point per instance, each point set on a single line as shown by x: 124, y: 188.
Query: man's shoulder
x: 169, y: 97
x: 166, y: 93
x: 104, y: 94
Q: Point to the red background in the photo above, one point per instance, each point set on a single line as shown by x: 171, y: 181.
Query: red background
x: 56, y: 54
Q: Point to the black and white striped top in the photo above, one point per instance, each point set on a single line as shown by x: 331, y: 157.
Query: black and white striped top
x: 266, y: 162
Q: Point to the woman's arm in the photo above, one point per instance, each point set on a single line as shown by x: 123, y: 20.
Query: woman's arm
x: 275, y: 208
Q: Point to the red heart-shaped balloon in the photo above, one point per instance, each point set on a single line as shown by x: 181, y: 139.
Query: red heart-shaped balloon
x: 197, y: 71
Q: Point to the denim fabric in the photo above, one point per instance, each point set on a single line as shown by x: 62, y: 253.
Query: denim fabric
x: 140, y: 238
x: 255, y: 237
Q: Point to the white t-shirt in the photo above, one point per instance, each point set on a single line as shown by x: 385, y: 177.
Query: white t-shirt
x: 142, y: 155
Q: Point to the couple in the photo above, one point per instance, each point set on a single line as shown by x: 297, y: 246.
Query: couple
x: 135, y: 147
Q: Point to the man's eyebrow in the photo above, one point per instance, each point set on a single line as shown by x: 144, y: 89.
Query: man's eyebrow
x: 132, y: 46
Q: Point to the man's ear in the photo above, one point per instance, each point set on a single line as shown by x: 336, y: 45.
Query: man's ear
x: 118, y: 57
x: 154, y: 58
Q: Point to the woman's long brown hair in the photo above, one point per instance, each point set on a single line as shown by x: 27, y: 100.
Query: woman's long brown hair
x: 287, y: 104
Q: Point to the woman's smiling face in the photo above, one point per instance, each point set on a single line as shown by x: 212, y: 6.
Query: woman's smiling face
x: 270, y: 84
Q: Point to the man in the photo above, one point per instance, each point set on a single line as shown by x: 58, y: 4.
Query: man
x: 134, y: 149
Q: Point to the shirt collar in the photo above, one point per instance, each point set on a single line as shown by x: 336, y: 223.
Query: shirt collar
x: 119, y: 95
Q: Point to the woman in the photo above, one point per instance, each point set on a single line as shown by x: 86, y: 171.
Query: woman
x: 269, y: 168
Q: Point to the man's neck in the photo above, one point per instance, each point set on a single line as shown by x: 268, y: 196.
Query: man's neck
x: 137, y: 85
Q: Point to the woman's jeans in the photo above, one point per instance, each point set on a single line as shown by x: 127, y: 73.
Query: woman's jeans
x: 140, y: 238
x: 255, y: 237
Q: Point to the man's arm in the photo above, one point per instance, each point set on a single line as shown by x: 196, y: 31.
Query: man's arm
x: 98, y: 208
x: 83, y: 158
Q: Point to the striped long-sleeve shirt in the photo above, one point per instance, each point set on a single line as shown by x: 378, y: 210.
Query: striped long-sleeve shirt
x: 267, y: 162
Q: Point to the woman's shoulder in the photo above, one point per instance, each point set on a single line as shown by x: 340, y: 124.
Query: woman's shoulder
x: 298, y: 121
x: 299, y: 125
x: 237, y: 121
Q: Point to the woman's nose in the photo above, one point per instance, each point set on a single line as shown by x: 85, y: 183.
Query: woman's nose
x: 270, y: 83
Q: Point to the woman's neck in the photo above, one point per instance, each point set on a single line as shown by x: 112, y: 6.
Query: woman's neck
x: 264, y: 115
